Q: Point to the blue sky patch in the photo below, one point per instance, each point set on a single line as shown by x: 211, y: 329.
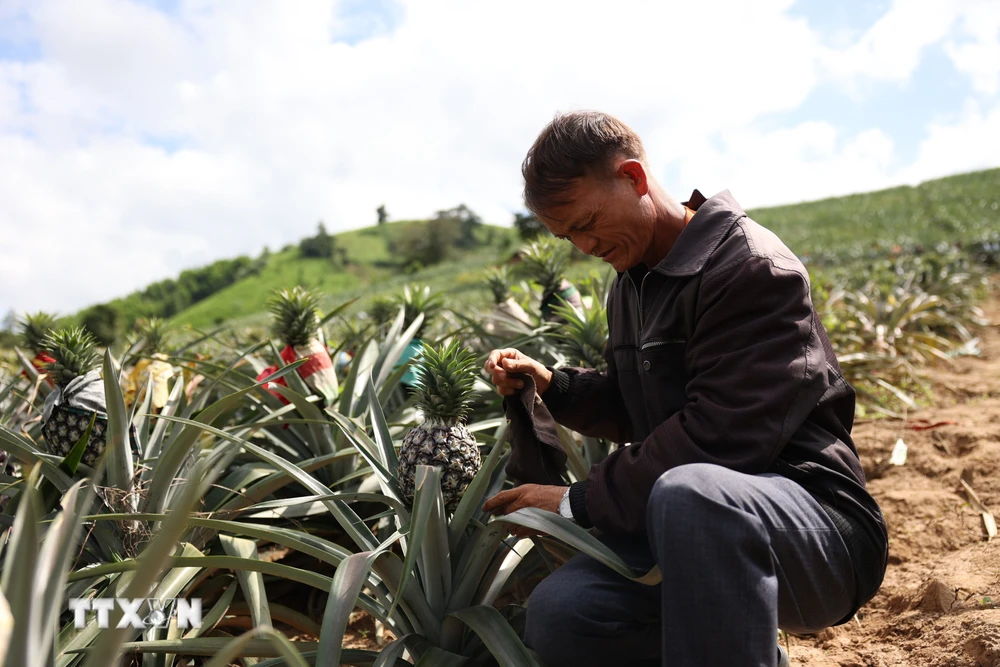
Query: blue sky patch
x: 17, y: 39
x: 902, y: 111
x: 359, y: 20
x: 839, y: 23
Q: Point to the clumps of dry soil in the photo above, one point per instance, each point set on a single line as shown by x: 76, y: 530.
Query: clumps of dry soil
x: 940, y: 603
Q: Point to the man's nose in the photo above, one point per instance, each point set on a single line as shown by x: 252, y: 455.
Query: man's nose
x: 585, y: 243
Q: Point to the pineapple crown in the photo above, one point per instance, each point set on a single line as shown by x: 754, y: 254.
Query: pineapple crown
x: 294, y: 315
x: 418, y: 299
x: 583, y: 337
x: 445, y: 379
x: 498, y: 280
x: 546, y: 261
x: 74, y: 351
x: 34, y: 328
x: 154, y: 334
x: 383, y: 310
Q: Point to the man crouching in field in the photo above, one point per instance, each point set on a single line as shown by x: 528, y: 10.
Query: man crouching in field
x: 741, y: 480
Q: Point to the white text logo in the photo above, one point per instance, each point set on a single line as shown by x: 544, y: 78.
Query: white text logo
x: 141, y: 613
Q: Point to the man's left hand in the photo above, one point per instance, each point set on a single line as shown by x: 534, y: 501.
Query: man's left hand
x: 527, y: 495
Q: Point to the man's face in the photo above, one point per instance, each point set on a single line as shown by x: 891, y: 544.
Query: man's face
x: 606, y: 218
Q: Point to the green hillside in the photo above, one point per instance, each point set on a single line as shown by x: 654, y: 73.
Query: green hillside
x: 372, y: 270
x: 957, y: 209
x: 836, y: 231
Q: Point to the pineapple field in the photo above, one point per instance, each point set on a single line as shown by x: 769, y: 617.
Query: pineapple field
x: 315, y: 473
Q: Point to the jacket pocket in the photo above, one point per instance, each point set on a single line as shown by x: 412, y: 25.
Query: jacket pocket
x: 631, y: 389
x: 663, y: 373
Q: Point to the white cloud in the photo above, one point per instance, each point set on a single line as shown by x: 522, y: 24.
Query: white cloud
x: 807, y: 161
x: 966, y: 143
x: 142, y: 143
x: 891, y: 49
x: 978, y: 56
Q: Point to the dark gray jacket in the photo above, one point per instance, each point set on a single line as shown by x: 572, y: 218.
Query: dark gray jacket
x: 716, y: 355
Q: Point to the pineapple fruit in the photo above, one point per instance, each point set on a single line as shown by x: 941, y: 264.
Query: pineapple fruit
x: 444, y: 390
x: 68, y: 411
x: 296, y: 322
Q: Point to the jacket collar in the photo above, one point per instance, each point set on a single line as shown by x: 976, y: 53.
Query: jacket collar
x: 712, y: 221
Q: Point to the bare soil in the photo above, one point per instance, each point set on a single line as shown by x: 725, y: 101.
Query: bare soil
x: 939, y: 605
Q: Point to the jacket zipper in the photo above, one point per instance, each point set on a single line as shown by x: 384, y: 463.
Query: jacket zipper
x: 638, y: 294
x: 659, y: 343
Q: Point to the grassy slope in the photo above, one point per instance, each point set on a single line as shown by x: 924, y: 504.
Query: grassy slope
x: 371, y: 272
x: 958, y: 208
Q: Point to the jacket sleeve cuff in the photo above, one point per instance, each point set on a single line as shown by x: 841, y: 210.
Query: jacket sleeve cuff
x: 578, y: 503
x: 557, y: 394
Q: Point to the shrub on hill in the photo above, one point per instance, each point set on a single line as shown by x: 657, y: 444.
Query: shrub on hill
x: 323, y: 246
x: 425, y: 244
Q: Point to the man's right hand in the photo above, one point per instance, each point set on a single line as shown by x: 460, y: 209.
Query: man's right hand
x: 502, y: 365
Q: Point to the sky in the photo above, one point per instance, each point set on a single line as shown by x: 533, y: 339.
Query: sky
x: 139, y: 137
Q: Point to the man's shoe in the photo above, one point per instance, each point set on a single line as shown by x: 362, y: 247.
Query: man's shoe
x: 782, y: 657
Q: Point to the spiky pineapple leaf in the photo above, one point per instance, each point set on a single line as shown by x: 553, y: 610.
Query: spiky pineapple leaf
x: 496, y: 633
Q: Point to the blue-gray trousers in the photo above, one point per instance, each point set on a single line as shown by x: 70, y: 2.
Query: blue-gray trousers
x: 741, y: 556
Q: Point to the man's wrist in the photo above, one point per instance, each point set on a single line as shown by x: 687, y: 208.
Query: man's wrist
x: 578, y: 503
x: 565, y: 511
x: 555, y: 394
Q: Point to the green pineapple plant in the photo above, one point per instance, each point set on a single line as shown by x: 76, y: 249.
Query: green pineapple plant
x: 79, y: 397
x: 154, y: 335
x: 294, y: 316
x: 295, y: 319
x: 444, y: 391
x: 498, y: 281
x: 546, y: 261
x: 382, y: 310
x: 583, y: 338
x: 34, y: 328
x: 508, y: 320
x: 417, y: 299
x: 151, y: 368
x: 440, y: 588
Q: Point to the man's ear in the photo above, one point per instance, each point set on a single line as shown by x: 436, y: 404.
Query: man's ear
x: 634, y: 171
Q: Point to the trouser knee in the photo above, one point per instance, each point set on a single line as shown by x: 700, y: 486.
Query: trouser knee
x: 690, y: 506
x: 548, y: 621
x: 689, y: 488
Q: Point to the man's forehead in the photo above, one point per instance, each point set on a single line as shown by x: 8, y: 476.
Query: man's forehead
x: 575, y: 206
x: 566, y: 216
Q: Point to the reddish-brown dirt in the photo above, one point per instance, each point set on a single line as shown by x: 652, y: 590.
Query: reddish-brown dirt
x: 939, y: 605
